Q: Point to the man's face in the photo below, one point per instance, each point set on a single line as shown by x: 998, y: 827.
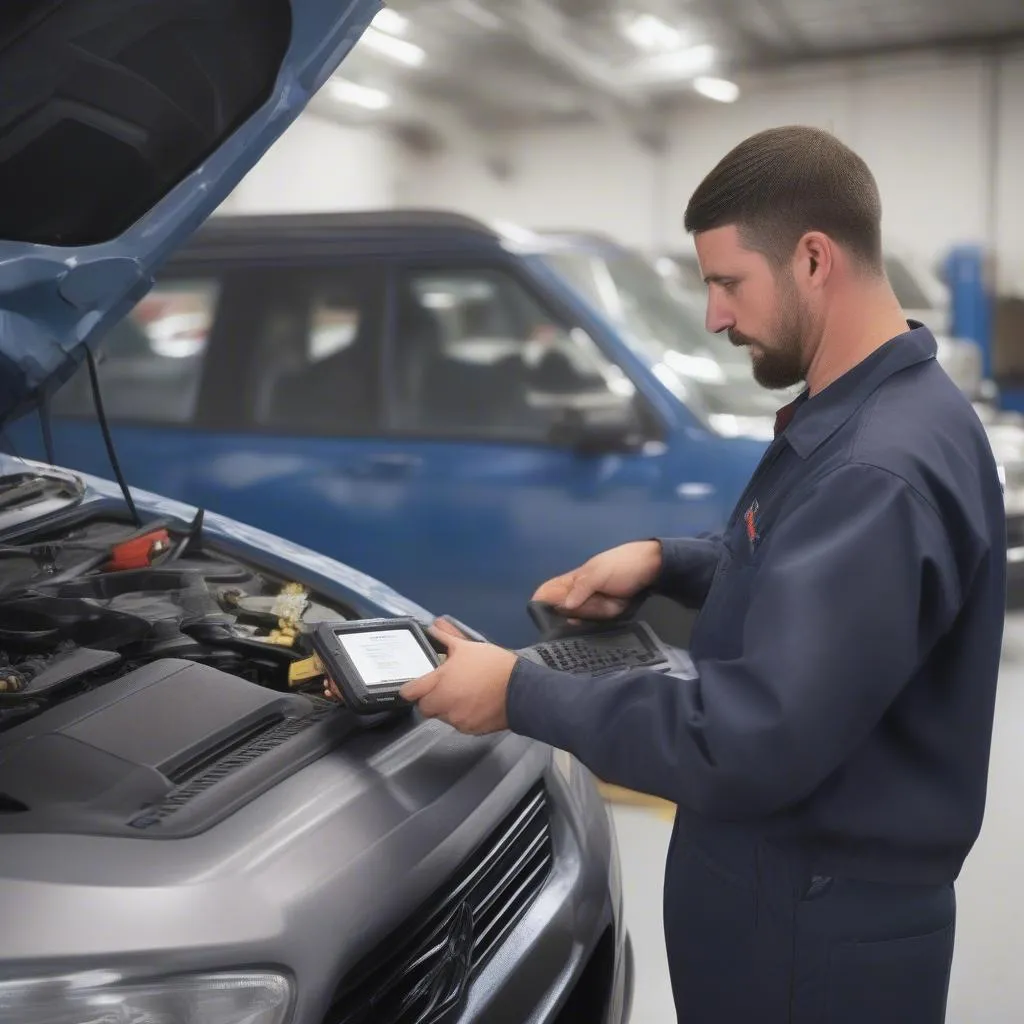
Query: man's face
x: 756, y: 304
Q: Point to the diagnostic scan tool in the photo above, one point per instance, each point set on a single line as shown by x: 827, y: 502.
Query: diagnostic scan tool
x: 594, y: 647
x: 553, y: 624
x: 371, y: 659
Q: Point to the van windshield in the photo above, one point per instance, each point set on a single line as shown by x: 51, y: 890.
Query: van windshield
x: 909, y: 293
x: 662, y: 322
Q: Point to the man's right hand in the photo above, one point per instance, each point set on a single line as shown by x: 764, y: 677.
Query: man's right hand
x: 602, y: 587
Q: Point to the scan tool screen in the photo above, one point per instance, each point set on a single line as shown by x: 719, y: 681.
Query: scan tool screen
x: 385, y: 657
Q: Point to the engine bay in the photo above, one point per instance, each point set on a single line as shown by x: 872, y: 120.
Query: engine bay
x: 84, y: 606
x: 144, y: 682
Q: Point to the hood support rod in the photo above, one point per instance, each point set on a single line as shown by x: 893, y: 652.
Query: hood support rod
x: 107, y: 439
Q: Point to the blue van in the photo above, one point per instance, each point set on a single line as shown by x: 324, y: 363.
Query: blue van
x: 418, y: 395
x: 424, y: 397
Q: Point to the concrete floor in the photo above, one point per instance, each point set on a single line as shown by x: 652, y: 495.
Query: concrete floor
x: 987, y: 986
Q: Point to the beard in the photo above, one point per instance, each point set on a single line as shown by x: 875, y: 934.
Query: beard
x: 778, y: 359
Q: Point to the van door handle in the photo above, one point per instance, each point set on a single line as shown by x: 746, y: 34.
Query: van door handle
x: 391, y: 465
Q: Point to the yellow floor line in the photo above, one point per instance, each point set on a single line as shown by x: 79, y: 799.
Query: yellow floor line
x: 620, y: 795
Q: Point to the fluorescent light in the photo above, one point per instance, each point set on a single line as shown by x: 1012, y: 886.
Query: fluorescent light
x: 720, y: 89
x: 675, y: 66
x: 391, y: 21
x: 649, y: 32
x: 397, y: 49
x: 358, y: 95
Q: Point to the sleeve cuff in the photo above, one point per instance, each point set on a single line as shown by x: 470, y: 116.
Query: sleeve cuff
x: 687, y: 567
x: 673, y: 561
x: 532, y: 708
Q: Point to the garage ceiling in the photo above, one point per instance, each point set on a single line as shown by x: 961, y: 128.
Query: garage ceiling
x: 451, y: 67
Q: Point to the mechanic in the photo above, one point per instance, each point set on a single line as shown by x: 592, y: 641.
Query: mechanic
x: 829, y: 757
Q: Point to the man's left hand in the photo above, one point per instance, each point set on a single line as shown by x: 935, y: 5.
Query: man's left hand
x: 469, y: 691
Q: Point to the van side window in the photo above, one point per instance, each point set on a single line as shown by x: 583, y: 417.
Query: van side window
x: 150, y: 364
x: 476, y: 355
x: 313, y: 358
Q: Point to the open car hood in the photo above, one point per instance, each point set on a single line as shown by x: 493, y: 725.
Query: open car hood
x: 123, y: 125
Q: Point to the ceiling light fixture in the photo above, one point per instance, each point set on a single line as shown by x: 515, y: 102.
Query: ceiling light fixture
x: 677, y: 66
x: 346, y: 91
x: 400, y: 50
x: 720, y: 89
x: 391, y: 21
x: 649, y: 32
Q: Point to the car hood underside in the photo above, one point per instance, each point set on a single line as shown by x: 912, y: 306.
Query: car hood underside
x: 123, y: 125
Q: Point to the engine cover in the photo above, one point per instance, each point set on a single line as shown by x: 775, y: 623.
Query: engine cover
x: 165, y: 751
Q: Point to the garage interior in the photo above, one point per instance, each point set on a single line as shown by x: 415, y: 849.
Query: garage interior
x: 593, y: 121
x: 603, y: 115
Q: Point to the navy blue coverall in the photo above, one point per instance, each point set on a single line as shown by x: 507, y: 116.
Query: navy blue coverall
x: 829, y: 759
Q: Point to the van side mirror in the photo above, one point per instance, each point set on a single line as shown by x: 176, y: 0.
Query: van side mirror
x: 599, y: 428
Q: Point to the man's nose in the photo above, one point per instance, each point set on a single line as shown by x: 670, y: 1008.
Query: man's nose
x: 719, y: 317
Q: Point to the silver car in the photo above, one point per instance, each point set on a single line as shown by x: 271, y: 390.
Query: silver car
x: 189, y: 834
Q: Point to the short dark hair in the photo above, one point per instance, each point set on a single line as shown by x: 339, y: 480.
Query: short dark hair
x: 779, y: 184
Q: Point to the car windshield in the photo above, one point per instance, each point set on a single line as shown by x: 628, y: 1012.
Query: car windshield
x: 662, y: 322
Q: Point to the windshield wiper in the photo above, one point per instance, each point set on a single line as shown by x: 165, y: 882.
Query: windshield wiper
x: 23, y: 490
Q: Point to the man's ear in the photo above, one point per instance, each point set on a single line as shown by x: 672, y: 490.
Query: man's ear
x: 815, y: 254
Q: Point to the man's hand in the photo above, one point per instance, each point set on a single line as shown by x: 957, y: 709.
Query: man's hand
x: 602, y: 587
x: 331, y: 691
x: 469, y: 691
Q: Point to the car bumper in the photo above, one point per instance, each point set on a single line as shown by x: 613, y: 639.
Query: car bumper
x: 315, y: 873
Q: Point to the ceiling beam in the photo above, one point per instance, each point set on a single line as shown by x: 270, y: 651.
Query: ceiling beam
x: 786, y: 24
x: 751, y: 27
x: 985, y: 42
x: 547, y: 32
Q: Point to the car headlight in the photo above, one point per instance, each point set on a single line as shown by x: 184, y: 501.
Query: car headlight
x: 102, y: 997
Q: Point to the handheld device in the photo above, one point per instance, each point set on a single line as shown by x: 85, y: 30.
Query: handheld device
x: 595, y: 648
x: 371, y: 659
x: 552, y: 623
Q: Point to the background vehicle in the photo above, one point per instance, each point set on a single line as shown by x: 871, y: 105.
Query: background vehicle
x: 410, y: 393
x: 183, y: 837
x: 448, y: 406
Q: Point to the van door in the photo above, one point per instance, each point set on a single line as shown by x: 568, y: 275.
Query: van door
x: 480, y: 374
x: 151, y: 368
x: 293, y: 406
x: 256, y: 393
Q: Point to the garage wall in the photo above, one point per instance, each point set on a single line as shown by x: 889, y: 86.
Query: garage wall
x: 318, y: 165
x: 558, y: 177
x: 924, y: 124
x: 1009, y: 203
x: 920, y: 126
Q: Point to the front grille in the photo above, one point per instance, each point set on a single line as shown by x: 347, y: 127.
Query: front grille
x: 453, y: 936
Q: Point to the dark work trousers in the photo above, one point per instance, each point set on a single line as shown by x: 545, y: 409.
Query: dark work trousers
x: 755, y: 937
